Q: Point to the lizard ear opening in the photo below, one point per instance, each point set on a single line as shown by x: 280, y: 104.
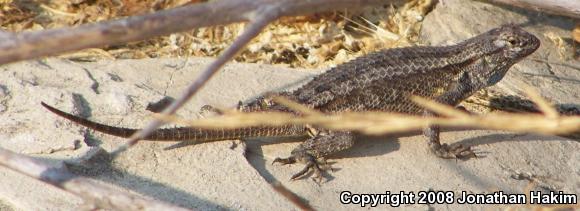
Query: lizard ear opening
x: 499, y: 43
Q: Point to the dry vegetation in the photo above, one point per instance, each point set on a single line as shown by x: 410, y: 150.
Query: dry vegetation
x: 315, y: 41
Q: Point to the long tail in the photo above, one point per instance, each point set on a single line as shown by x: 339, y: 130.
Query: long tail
x: 184, y: 133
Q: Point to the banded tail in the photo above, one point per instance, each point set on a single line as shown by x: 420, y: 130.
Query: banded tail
x: 184, y: 133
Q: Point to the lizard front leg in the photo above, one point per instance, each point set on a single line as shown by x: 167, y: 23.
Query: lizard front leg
x: 461, y: 90
x: 313, y: 151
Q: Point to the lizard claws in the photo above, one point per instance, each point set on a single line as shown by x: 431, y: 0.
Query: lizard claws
x: 317, y: 166
x: 310, y: 165
x: 284, y: 161
x: 452, y: 151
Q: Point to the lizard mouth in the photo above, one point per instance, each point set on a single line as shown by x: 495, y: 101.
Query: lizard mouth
x: 533, y: 43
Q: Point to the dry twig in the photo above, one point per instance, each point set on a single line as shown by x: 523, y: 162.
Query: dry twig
x: 91, y: 191
x: 33, y: 44
x: 570, y: 8
x: 279, y: 188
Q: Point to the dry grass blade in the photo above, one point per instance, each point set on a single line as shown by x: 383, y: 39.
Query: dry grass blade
x: 542, y: 104
x: 377, y: 31
x: 366, y: 122
x: 532, y: 123
x: 376, y: 123
x: 439, y: 108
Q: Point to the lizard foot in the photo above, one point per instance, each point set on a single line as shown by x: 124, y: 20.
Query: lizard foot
x: 210, y: 109
x: 318, y: 166
x: 313, y: 151
x: 452, y: 151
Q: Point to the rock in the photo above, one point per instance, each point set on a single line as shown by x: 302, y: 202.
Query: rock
x: 217, y: 175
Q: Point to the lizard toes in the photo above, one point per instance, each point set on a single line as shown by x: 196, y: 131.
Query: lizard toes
x: 462, y: 152
x: 318, y: 167
x: 317, y: 171
x: 457, y: 151
x: 285, y: 161
x: 305, y: 170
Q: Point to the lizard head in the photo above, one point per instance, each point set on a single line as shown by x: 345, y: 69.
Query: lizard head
x: 513, y: 42
x: 505, y: 46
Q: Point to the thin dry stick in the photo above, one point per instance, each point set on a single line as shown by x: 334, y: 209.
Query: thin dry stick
x: 291, y: 197
x: 552, y: 124
x: 570, y: 8
x: 92, y: 192
x: 29, y: 45
x: 443, y: 110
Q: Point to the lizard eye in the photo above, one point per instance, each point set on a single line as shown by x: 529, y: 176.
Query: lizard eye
x: 512, y: 41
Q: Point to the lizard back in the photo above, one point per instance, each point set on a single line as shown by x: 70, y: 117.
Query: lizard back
x: 384, y: 80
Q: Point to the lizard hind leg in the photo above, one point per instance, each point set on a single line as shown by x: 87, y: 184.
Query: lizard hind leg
x: 446, y: 151
x: 313, y: 151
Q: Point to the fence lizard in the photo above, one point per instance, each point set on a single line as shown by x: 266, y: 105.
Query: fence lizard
x: 380, y: 81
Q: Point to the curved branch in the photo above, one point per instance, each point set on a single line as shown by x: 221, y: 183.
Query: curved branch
x: 91, y: 191
x: 29, y: 45
x: 570, y: 8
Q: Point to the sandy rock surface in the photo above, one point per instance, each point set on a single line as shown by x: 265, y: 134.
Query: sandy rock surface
x: 217, y: 175
x: 235, y: 174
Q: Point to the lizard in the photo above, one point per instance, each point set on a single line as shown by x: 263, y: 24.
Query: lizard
x: 379, y: 81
